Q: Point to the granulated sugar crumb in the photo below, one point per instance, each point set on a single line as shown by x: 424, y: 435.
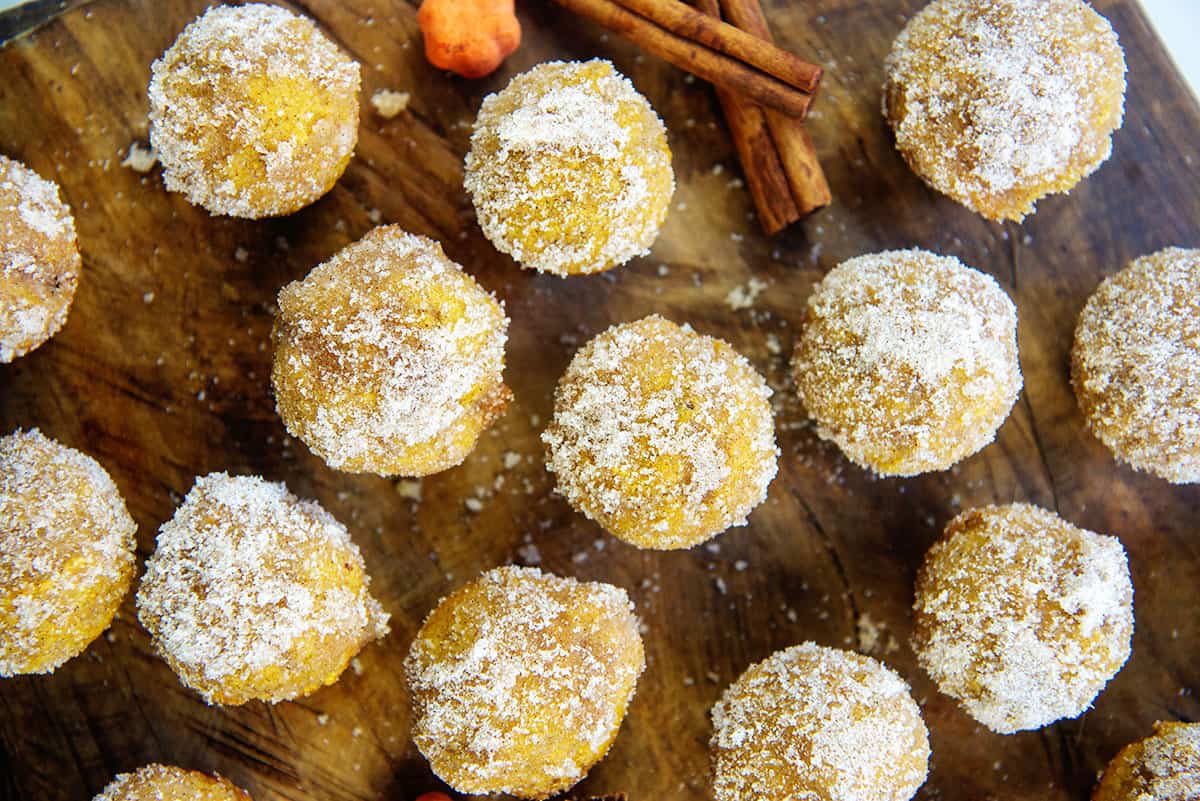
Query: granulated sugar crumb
x: 388, y: 103
x: 140, y: 159
x: 744, y: 297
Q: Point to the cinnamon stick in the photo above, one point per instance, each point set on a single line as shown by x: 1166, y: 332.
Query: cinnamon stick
x: 733, y: 40
x: 810, y: 189
x: 761, y: 164
x: 682, y: 48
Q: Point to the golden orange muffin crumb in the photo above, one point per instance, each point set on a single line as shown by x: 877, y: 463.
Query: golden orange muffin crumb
x: 1135, y: 365
x: 998, y: 103
x: 253, y: 593
x: 569, y: 169
x: 1162, y: 767
x: 253, y: 111
x: 389, y: 358
x: 818, y: 723
x: 39, y: 260
x: 1021, y: 616
x: 520, y: 681
x: 908, y: 360
x: 66, y: 552
x: 663, y: 436
x: 168, y: 783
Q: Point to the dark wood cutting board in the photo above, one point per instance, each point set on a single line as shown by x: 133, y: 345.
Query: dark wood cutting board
x: 162, y: 374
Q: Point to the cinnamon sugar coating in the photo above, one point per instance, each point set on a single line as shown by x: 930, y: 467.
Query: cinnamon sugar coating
x: 998, y: 103
x: 252, y: 593
x: 520, y: 681
x: 253, y: 111
x: 1163, y: 767
x: 389, y: 358
x: 818, y: 723
x: 569, y: 169
x: 908, y: 360
x: 66, y: 552
x: 1135, y: 364
x: 663, y: 436
x: 168, y: 783
x: 39, y: 260
x: 1021, y: 616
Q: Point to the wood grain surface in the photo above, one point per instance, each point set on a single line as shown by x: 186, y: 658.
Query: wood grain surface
x: 161, y: 373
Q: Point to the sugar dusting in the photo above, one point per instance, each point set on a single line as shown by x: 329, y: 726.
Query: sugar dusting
x: 914, y: 331
x: 384, y: 346
x: 498, y: 655
x: 1022, y: 616
x: 58, y: 507
x: 1136, y: 364
x: 819, y: 723
x: 231, y: 590
x: 608, y: 424
x: 579, y: 158
x: 39, y: 260
x: 999, y: 102
x: 204, y: 120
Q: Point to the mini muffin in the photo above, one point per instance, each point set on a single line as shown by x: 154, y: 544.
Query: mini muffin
x: 661, y: 435
x: 1162, y: 767
x: 66, y: 552
x: 520, y: 681
x: 253, y: 111
x: 998, y: 103
x: 253, y: 593
x: 169, y: 783
x: 1135, y: 365
x: 818, y: 723
x: 908, y: 360
x: 1021, y: 616
x: 569, y: 169
x: 389, y: 359
x: 39, y: 261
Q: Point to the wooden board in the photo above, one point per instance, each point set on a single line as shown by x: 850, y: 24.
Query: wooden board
x: 162, y: 373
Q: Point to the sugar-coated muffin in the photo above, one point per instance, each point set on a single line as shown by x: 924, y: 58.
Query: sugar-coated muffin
x: 1021, y: 616
x: 168, y: 783
x: 66, y: 552
x: 520, y: 681
x: 253, y: 111
x: 663, y: 436
x: 818, y: 723
x: 252, y: 593
x: 389, y: 359
x: 1163, y: 767
x: 569, y: 169
x: 1135, y: 365
x: 908, y: 360
x: 39, y: 260
x: 998, y: 103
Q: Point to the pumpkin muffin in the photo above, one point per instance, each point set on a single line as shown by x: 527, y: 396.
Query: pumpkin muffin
x: 569, y: 169
x: 998, y: 103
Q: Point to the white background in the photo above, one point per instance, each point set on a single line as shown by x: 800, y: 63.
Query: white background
x: 1177, y: 21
